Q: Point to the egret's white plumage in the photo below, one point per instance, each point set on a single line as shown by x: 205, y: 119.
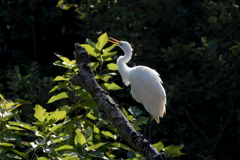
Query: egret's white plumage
x: 146, y: 85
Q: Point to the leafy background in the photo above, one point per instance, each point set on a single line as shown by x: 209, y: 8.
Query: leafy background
x: 193, y: 45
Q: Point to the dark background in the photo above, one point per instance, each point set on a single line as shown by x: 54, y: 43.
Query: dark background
x: 195, y: 47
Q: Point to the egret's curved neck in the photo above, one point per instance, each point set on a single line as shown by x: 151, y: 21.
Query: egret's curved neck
x: 127, y: 55
x: 123, y: 69
x: 122, y: 60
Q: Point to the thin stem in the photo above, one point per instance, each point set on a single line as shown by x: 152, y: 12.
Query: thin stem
x: 149, y: 121
x: 197, y: 127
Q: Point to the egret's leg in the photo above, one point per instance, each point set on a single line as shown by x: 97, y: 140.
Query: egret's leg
x: 149, y: 121
x: 150, y: 129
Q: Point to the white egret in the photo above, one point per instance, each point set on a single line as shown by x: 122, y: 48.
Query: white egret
x: 146, y: 84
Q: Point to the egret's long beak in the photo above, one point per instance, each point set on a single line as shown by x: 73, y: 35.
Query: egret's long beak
x: 117, y: 42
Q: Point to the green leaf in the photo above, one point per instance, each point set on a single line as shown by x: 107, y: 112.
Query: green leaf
x: 110, y: 86
x: 89, y: 115
x: 92, y: 126
x: 6, y: 144
x: 124, y: 112
x: 70, y: 158
x: 107, y: 54
x: 79, y: 138
x: 58, y: 97
x: 55, y: 116
x: 108, y: 134
x: 89, y: 49
x: 14, y: 128
x: 112, y: 66
x: 173, y: 151
x: 64, y: 59
x: 115, y: 145
x: 96, y: 146
x: 39, y: 113
x: 59, y: 86
x: 94, y: 65
x: 61, y: 125
x: 102, y: 40
x: 24, y: 155
x: 108, y: 49
x: 59, y: 3
x: 96, y: 154
x: 10, y: 155
x: 131, y: 154
x: 92, y: 44
x: 8, y: 105
x: 42, y: 158
x: 21, y: 101
x: 2, y: 98
x: 104, y: 77
x: 59, y: 138
x: 159, y: 146
x: 135, y: 111
x: 89, y: 104
x: 64, y: 147
x: 61, y: 78
x: 24, y: 125
x: 141, y: 120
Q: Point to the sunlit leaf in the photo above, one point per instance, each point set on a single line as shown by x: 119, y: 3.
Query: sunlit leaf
x: 102, y: 40
x: 124, y: 112
x: 14, y: 128
x: 55, y: 116
x: 71, y: 158
x: 173, y: 151
x: 61, y: 125
x: 59, y: 3
x: 94, y: 65
x: 92, y: 126
x: 92, y: 44
x: 2, y: 98
x: 64, y: 59
x: 110, y: 86
x: 6, y: 144
x: 107, y: 54
x: 79, y: 138
x: 112, y: 66
x: 108, y: 134
x: 96, y: 146
x: 42, y: 158
x: 61, y: 78
x: 8, y: 105
x: 24, y: 155
x: 59, y: 138
x: 64, y: 147
x: 159, y: 146
x: 23, y: 125
x: 104, y: 77
x: 39, y: 113
x: 89, y: 48
x: 58, y: 97
x: 89, y: 115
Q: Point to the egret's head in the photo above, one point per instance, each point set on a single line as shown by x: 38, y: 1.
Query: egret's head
x: 124, y: 45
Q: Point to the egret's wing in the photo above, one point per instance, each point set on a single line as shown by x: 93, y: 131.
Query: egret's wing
x: 147, y: 89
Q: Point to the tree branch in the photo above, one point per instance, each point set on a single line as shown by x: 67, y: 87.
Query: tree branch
x: 85, y: 79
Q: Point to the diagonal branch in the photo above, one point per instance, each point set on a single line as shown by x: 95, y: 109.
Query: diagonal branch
x: 85, y: 78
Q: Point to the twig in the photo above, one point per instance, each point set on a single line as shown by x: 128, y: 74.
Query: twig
x: 197, y: 127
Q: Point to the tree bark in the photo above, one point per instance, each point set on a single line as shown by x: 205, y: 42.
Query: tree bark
x: 85, y: 79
